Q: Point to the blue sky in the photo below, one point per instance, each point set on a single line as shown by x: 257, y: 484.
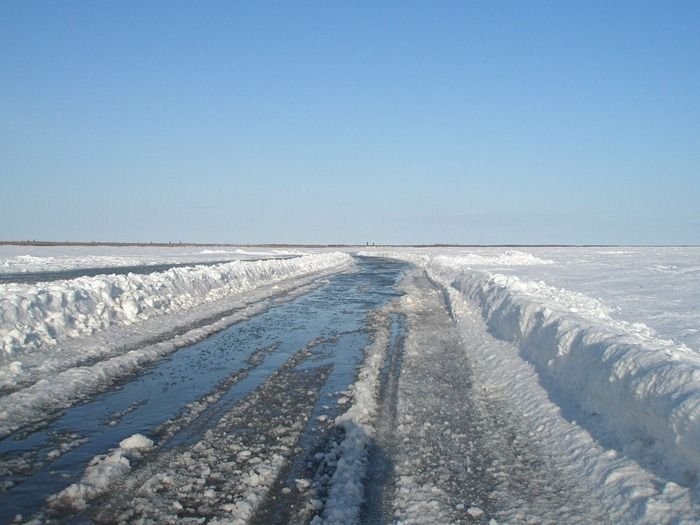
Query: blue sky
x: 390, y: 122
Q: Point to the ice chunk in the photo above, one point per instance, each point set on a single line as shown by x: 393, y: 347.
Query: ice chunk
x: 136, y: 442
x: 475, y: 512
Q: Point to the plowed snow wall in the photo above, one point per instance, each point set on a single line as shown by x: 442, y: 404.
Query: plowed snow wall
x: 643, y: 390
x: 40, y: 315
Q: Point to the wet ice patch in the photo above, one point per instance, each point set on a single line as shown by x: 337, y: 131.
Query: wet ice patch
x: 646, y: 389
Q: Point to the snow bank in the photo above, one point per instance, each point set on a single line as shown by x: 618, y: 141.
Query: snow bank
x: 40, y: 316
x: 642, y: 391
x: 253, y: 253
x: 605, y: 486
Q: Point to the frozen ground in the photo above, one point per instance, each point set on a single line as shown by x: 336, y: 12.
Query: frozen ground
x: 35, y: 259
x: 549, y: 385
x: 634, y: 393
x: 659, y: 287
x: 227, y: 416
x: 656, y: 286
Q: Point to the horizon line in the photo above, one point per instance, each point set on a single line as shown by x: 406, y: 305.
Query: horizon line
x: 169, y: 244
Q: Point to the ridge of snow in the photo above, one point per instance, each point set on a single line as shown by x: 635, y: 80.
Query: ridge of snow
x: 622, y: 489
x: 33, y: 259
x: 644, y: 389
x: 40, y: 316
x: 507, y: 258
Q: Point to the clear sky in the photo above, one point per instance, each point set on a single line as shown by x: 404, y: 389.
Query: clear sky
x: 350, y: 121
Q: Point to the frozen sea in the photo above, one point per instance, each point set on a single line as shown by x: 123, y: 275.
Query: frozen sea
x: 20, y: 259
x: 521, y: 379
x: 657, y: 286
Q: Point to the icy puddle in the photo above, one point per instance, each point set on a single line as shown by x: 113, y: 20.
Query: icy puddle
x: 308, y: 348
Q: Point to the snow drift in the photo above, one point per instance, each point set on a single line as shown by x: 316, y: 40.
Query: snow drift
x: 638, y: 390
x: 40, y: 316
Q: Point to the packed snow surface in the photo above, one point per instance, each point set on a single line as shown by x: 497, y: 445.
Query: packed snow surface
x: 653, y: 286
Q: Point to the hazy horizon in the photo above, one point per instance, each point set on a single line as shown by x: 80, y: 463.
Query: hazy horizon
x: 410, y: 123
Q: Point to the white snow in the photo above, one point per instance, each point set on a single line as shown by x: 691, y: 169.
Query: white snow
x: 617, y: 401
x: 136, y: 442
x: 655, y: 286
x: 646, y: 389
x: 461, y: 257
x: 29, y: 259
x: 658, y: 287
x: 58, y: 366
x: 507, y: 258
x: 623, y: 489
x: 40, y: 316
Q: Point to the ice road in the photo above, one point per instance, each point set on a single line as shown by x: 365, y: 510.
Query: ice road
x: 400, y: 389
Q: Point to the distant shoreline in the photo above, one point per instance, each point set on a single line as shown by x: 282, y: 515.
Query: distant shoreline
x: 292, y: 245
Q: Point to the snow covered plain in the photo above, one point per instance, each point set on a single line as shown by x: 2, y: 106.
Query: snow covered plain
x: 16, y: 259
x: 546, y: 385
x: 603, y: 361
